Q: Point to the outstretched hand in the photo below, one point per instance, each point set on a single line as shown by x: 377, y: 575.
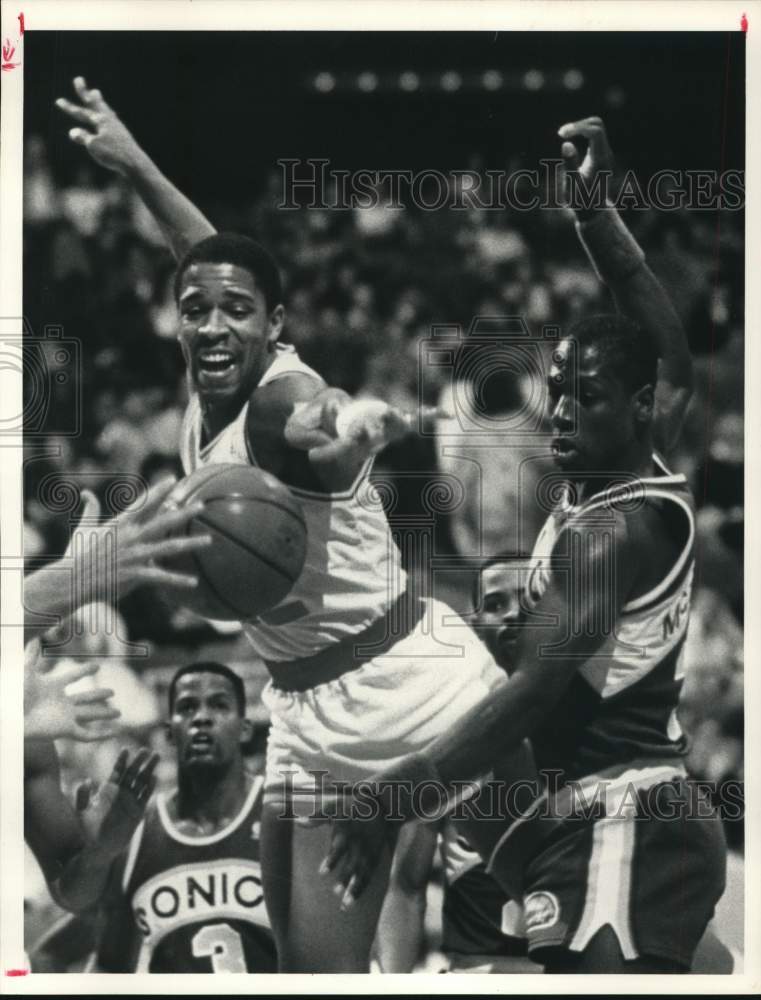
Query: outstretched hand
x: 598, y: 158
x: 105, y: 561
x: 141, y: 536
x: 333, y: 426
x: 111, y: 813
x: 105, y: 137
x: 50, y: 713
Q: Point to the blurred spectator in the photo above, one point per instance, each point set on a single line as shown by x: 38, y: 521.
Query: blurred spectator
x: 41, y: 197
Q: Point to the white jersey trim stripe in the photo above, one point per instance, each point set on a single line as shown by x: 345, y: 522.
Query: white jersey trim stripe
x: 213, y: 838
x: 134, y: 850
x: 679, y: 565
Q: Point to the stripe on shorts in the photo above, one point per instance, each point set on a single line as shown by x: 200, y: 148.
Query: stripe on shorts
x: 609, y: 886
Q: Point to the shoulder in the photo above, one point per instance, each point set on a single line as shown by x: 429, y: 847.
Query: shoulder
x: 287, y: 389
x: 600, y: 551
x: 594, y: 525
x: 270, y: 408
x: 633, y: 544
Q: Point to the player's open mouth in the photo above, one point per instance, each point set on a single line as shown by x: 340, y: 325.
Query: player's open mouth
x: 215, y: 364
x: 201, y: 743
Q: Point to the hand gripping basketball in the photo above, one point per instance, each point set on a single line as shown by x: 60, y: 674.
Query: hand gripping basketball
x: 259, y: 541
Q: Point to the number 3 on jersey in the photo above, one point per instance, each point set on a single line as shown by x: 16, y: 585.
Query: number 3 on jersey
x: 222, y: 945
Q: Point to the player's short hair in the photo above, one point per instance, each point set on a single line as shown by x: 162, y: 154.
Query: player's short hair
x: 210, y: 667
x: 242, y: 251
x: 626, y: 349
x: 495, y: 560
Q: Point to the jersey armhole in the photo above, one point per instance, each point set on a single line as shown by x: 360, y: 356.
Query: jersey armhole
x: 675, y: 574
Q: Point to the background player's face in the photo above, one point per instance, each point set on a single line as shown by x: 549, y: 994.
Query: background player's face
x: 225, y: 329
x: 498, y: 616
x: 592, y: 412
x: 205, y: 724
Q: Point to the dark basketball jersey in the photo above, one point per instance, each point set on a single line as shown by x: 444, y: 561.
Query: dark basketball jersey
x: 621, y: 705
x: 477, y: 917
x: 196, y: 902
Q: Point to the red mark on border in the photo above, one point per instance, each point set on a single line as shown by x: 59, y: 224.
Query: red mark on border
x: 744, y: 22
x: 17, y: 972
x: 8, y: 51
x: 21, y: 23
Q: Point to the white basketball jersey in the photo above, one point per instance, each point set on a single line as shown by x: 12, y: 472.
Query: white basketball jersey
x: 352, y: 572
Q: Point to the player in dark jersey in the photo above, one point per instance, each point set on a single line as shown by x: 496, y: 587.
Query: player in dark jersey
x: 482, y: 929
x: 186, y: 896
x: 629, y: 886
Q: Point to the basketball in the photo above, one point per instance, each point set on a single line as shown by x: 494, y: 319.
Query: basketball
x: 259, y: 541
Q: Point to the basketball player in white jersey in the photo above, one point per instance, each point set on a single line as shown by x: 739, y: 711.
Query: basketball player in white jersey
x: 629, y: 885
x: 338, y: 705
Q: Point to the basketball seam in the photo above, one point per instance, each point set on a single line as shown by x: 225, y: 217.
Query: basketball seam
x: 213, y: 473
x: 211, y: 585
x: 251, y: 551
x: 262, y: 500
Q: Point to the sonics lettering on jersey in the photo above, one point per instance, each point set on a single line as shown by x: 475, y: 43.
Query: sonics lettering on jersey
x: 230, y: 888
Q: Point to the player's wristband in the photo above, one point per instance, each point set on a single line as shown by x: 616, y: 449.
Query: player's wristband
x: 363, y: 419
x: 611, y: 248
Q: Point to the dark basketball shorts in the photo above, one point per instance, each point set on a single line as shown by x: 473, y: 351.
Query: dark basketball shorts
x: 653, y: 874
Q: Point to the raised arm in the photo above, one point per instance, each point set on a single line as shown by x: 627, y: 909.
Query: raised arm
x: 112, y: 145
x: 620, y: 264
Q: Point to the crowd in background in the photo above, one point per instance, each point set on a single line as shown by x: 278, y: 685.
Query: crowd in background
x: 363, y: 288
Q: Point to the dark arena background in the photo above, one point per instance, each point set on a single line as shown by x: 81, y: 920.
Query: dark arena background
x: 364, y: 286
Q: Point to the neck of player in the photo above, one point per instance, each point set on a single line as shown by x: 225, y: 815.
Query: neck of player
x: 217, y: 412
x: 211, y: 797
x: 634, y: 462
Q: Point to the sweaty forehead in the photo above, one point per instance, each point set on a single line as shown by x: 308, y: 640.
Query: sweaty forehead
x: 207, y: 275
x: 203, y: 683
